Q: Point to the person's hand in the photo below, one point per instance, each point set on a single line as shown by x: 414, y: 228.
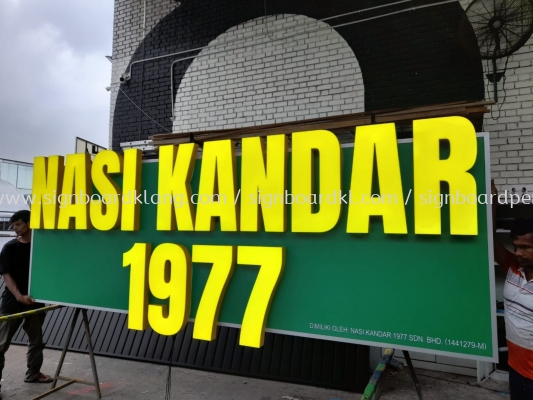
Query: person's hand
x: 27, y: 300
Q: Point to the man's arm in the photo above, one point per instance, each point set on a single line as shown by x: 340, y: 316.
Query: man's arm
x: 12, y: 286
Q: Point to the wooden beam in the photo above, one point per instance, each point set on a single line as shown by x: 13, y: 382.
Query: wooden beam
x: 460, y: 108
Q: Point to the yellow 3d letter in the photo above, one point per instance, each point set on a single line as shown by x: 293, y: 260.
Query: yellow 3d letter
x: 176, y: 165
x: 389, y: 203
x: 328, y: 149
x: 47, y: 181
x: 76, y: 193
x: 216, y: 197
x: 430, y: 170
x: 169, y: 277
x: 105, y: 210
x: 131, y: 188
x: 263, y: 185
x: 223, y: 260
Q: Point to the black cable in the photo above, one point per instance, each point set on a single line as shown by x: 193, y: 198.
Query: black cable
x: 487, y: 82
x: 499, y: 107
x: 128, y: 97
x: 142, y: 71
x: 169, y: 374
x: 142, y: 94
x: 266, y: 21
x: 488, y: 91
x: 503, y: 84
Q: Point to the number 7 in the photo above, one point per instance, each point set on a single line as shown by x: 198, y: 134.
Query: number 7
x: 223, y: 259
x: 271, y: 260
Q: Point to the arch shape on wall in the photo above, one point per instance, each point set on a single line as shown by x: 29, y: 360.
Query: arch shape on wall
x: 288, y: 78
x: 407, y: 60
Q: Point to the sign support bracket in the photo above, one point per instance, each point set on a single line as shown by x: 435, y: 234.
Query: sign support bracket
x: 413, y: 374
x: 70, y: 381
x: 373, y: 389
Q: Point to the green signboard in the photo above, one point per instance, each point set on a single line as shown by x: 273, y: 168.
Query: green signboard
x: 427, y: 293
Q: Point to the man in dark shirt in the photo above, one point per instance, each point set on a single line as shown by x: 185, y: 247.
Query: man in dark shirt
x: 15, y: 269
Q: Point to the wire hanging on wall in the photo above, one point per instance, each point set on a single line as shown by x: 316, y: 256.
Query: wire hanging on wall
x: 129, y: 98
x: 503, y: 88
x: 139, y: 125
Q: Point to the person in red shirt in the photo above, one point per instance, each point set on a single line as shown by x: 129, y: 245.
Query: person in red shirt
x: 518, y: 301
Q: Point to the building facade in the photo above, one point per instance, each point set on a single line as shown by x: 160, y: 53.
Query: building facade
x: 251, y: 69
x: 188, y: 67
x: 11, y: 201
x: 234, y: 67
x: 17, y: 173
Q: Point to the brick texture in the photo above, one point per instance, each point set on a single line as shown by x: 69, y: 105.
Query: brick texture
x: 510, y: 122
x: 272, y: 79
x: 404, y: 60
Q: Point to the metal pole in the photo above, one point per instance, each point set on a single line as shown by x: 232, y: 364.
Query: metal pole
x: 494, y: 80
x: 70, y: 381
x: 65, y: 347
x: 90, y: 345
x: 413, y: 374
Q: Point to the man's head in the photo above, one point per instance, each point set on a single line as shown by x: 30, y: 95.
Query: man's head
x: 20, y: 221
x: 522, y: 235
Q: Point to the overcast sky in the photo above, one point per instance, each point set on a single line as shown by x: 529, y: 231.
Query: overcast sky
x: 53, y: 75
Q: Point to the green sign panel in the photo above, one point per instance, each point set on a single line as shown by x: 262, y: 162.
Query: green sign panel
x: 427, y: 293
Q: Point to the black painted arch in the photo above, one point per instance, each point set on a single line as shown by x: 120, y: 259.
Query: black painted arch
x: 410, y: 59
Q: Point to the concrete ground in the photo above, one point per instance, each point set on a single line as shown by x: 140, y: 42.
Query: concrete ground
x: 122, y: 379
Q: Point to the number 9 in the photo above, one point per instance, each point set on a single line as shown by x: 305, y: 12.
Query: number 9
x: 169, y: 278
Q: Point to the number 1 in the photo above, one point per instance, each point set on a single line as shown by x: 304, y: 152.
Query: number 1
x: 138, y: 257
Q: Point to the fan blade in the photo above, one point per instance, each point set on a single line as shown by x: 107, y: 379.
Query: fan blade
x: 483, y: 4
x: 479, y: 15
x: 508, y: 41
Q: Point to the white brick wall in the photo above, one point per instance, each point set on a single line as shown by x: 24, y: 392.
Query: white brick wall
x: 511, y: 130
x: 300, y: 77
x: 303, y: 89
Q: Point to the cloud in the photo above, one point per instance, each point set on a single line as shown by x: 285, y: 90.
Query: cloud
x: 53, y: 76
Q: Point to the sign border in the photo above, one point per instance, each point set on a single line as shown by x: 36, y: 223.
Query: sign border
x: 492, y: 282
